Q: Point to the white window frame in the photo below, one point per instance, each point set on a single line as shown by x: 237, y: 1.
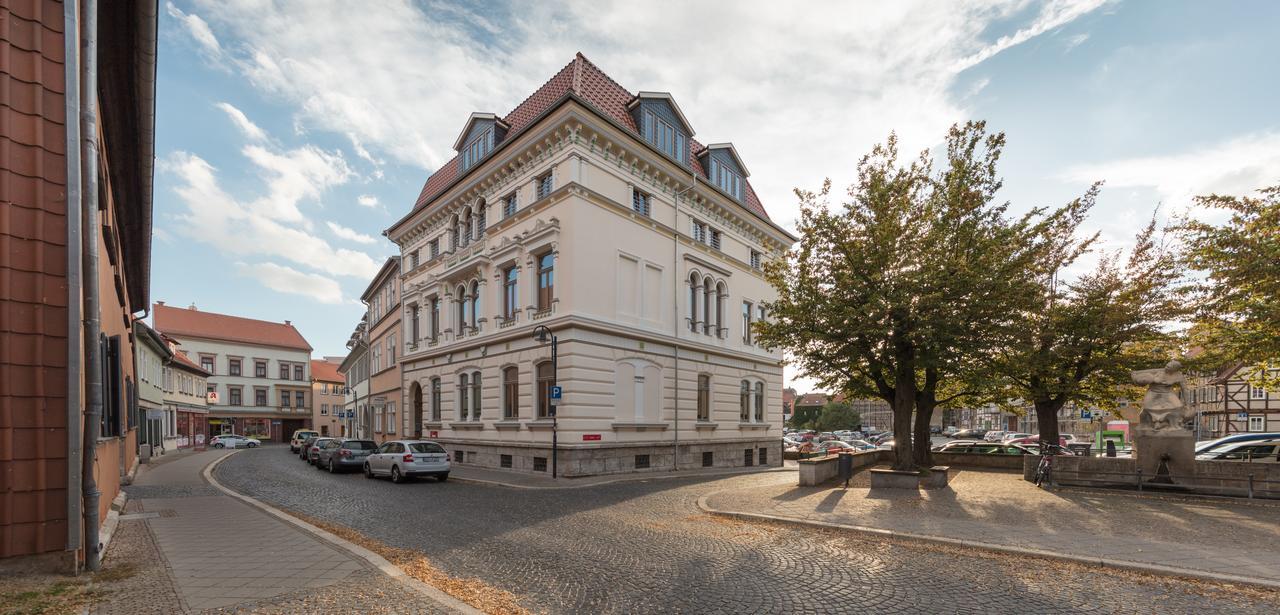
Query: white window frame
x: 1257, y: 423
x: 641, y: 202
x: 1256, y: 392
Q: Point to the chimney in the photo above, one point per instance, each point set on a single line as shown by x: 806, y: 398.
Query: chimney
x: 160, y: 303
x: 192, y: 307
x: 288, y: 324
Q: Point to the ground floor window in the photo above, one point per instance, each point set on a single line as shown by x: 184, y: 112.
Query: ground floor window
x: 257, y: 428
x: 1257, y: 423
x: 391, y: 417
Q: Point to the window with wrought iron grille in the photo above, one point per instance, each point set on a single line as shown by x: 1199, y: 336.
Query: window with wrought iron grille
x: 715, y: 239
x: 640, y: 202
x: 509, y: 206
x: 755, y: 259
x: 544, y: 186
x: 435, y: 247
x: 699, y: 232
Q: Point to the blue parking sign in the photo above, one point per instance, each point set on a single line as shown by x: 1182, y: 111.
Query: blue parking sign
x: 555, y: 392
x: 1085, y: 414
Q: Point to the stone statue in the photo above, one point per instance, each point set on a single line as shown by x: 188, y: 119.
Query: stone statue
x: 1165, y: 449
x: 1162, y: 406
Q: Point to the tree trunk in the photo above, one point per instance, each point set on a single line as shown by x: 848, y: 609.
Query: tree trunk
x: 904, y: 402
x: 923, y: 439
x: 1047, y: 418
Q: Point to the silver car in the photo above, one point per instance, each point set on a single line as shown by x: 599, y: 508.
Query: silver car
x: 404, y: 459
x: 344, y: 453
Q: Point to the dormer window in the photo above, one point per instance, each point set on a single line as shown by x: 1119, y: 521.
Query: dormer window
x: 666, y: 137
x: 477, y: 148
x: 726, y: 179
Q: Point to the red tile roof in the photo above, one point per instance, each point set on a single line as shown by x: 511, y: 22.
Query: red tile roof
x: 324, y: 371
x: 190, y: 322
x: 585, y: 80
x: 181, y: 357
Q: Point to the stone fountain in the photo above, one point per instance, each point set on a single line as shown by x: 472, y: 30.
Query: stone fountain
x: 1165, y: 448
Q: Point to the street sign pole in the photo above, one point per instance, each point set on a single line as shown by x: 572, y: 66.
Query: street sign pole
x: 555, y: 411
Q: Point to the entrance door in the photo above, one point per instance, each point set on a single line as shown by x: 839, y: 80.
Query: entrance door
x: 416, y: 400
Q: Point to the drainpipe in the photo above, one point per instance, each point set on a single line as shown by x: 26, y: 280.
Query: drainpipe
x: 92, y: 311
x: 675, y: 268
x: 71, y: 25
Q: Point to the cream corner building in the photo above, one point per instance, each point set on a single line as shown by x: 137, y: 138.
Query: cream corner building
x: 593, y: 211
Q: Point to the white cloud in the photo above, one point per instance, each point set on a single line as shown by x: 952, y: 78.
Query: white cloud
x: 350, y: 234
x: 295, y: 175
x: 1076, y: 41
x: 367, y: 200
x: 288, y: 280
x: 246, y: 126
x: 1238, y: 166
x: 238, y: 228
x: 199, y: 31
x: 855, y: 69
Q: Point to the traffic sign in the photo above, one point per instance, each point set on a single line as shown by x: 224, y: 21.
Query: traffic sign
x: 1085, y: 414
x: 1242, y: 415
x: 555, y: 395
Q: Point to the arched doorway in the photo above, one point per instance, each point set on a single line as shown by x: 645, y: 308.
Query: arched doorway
x: 415, y: 398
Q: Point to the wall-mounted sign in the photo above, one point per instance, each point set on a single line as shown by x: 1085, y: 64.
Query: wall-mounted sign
x: 435, y: 434
x: 590, y: 437
x: 211, y: 397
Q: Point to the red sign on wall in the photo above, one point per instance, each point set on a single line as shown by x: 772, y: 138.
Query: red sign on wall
x: 435, y: 434
x: 590, y: 437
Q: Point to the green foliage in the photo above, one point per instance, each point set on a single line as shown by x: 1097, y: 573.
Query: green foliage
x: 837, y: 415
x: 1238, y: 309
x: 805, y: 417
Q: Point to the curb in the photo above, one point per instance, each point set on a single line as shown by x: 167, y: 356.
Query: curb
x: 108, y: 529
x: 624, y: 479
x: 376, y: 560
x: 1154, y: 569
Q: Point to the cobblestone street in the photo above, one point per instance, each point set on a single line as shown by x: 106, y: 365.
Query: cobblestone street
x: 645, y: 547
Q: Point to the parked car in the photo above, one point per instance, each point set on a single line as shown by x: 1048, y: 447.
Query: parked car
x: 295, y: 443
x: 312, y: 449
x: 861, y: 445
x: 1062, y: 441
x: 1014, y: 436
x: 1250, y: 450
x: 401, y: 460
x: 1210, y: 445
x: 986, y: 448
x: 305, y: 445
x: 831, y: 447
x: 994, y: 436
x: 344, y: 453
x: 234, y: 441
x: 969, y: 434
x: 950, y: 430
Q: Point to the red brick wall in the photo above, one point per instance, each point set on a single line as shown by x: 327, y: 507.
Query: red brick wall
x: 33, y: 294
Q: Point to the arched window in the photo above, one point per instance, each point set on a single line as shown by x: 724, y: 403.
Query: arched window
x: 465, y: 230
x: 454, y: 227
x: 693, y: 302
x: 704, y: 397
x: 511, y: 393
x: 545, y: 377
x: 464, y: 396
x: 721, y: 294
x: 463, y: 305
x: 759, y: 402
x: 475, y: 396
x: 744, y: 402
x: 510, y: 279
x: 435, y: 400
x: 480, y: 221
x: 475, y: 303
x: 546, y: 280
x: 708, y: 305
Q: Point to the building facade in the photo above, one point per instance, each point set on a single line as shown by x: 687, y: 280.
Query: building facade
x: 357, y: 420
x: 1229, y: 402
x: 150, y: 357
x: 593, y: 212
x: 260, y: 370
x: 75, y: 232
x: 186, y: 395
x: 327, y: 398
x: 382, y: 298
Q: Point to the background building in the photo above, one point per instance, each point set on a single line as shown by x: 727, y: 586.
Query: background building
x: 261, y: 371
x: 185, y: 401
x: 382, y: 298
x: 593, y: 211
x: 76, y: 237
x: 151, y: 356
x: 1228, y: 402
x: 357, y: 418
x: 327, y: 399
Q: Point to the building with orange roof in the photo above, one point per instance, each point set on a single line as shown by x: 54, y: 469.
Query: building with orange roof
x: 327, y: 398
x: 186, y: 396
x: 591, y: 210
x: 260, y: 371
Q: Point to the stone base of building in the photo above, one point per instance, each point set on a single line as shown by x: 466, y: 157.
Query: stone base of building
x: 614, y: 458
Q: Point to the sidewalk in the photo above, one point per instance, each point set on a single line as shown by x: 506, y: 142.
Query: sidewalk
x: 522, y: 480
x: 1207, y: 538
x: 218, y: 552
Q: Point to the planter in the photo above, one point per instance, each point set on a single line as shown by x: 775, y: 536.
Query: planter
x: 934, y: 478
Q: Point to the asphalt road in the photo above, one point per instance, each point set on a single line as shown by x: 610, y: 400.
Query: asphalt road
x: 645, y: 547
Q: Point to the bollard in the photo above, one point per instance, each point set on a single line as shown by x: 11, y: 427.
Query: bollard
x: 1250, y: 486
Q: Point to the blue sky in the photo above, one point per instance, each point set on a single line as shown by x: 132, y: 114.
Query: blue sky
x: 290, y: 134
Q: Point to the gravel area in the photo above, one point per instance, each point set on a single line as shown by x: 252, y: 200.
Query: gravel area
x: 645, y: 547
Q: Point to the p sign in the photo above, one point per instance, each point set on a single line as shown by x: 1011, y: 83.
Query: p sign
x: 556, y: 393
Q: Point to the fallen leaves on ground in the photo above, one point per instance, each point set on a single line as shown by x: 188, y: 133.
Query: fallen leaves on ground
x: 473, y: 591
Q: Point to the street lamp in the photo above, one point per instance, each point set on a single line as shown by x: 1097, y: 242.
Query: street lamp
x: 541, y: 334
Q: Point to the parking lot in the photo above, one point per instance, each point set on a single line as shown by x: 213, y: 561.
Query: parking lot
x: 644, y: 546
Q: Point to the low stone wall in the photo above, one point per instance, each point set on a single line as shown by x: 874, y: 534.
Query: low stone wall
x: 612, y: 458
x: 822, y: 469
x: 1211, y: 477
x: 980, y: 460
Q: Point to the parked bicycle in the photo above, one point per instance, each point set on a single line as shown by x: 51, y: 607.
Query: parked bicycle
x: 1044, y: 471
